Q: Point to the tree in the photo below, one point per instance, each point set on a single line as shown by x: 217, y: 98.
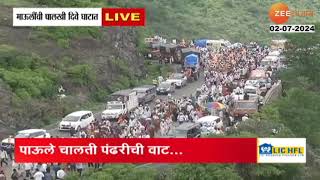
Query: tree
x: 304, y: 55
x: 204, y: 171
x: 300, y: 109
x: 117, y: 172
x: 82, y: 74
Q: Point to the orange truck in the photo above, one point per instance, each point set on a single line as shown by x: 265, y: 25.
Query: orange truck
x: 242, y: 107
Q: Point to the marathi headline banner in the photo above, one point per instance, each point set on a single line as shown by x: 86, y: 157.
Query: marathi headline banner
x: 137, y: 150
x: 79, y: 17
x: 161, y: 150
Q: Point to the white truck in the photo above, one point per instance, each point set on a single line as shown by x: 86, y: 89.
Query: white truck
x: 121, y: 102
x: 270, y: 60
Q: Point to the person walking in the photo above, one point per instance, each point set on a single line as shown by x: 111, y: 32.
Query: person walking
x: 181, y: 118
x: 3, y: 157
x: 61, y: 174
x: 56, y: 167
x: 38, y: 175
x: 15, y: 175
x: 79, y: 168
x: 96, y: 166
x: 43, y: 167
x: 27, y: 168
x: 9, y: 151
x: 72, y: 131
x: 48, y: 175
x: 2, y: 175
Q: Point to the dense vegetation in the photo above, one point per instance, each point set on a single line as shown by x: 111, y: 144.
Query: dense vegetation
x: 34, y: 80
x: 234, y: 20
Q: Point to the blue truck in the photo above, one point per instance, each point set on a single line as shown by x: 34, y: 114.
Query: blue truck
x: 191, y: 63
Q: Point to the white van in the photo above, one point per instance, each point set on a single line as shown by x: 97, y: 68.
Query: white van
x: 28, y: 133
x: 274, y: 53
x: 208, y: 124
x: 33, y: 133
x: 77, y: 120
x: 252, y: 91
x: 272, y: 61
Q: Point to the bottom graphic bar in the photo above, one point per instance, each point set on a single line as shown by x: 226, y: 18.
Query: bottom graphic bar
x: 153, y: 150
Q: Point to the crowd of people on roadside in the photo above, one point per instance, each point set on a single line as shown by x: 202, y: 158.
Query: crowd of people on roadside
x: 225, y: 74
x: 146, y: 121
x: 38, y: 171
x: 42, y: 171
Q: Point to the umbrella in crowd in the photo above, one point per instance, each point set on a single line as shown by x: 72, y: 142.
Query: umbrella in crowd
x: 215, y: 105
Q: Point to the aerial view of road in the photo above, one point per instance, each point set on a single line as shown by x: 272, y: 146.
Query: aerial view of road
x: 187, y: 90
x: 176, y: 76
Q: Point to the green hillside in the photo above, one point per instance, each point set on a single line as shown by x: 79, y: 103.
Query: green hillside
x: 235, y: 20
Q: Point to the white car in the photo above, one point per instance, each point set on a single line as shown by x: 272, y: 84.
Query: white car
x: 5, y: 143
x: 254, y: 83
x: 166, y: 88
x: 28, y: 133
x: 179, y: 79
x: 33, y: 133
x: 274, y: 53
x: 77, y: 120
x: 252, y: 91
x: 262, y: 84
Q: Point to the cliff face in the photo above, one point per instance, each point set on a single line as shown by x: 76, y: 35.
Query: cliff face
x: 110, y: 54
x: 116, y: 44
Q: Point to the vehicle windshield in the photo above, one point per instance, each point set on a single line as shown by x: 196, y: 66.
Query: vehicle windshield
x: 141, y: 91
x: 274, y: 53
x: 208, y: 124
x: 250, y: 91
x: 253, y: 82
x: 265, y: 63
x: 164, y: 85
x: 171, y: 132
x: 177, y: 76
x: 71, y: 118
x: 22, y: 135
x: 262, y: 81
x: 3, y: 144
x: 114, y: 106
x: 181, y: 133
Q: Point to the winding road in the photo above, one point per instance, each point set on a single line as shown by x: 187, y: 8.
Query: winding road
x: 187, y: 90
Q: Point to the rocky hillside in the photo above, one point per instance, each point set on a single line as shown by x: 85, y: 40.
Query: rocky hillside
x: 88, y: 63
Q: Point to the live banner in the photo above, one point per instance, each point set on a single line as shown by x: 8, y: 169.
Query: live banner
x: 157, y: 150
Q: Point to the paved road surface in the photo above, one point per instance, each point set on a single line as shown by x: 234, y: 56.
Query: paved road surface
x: 189, y: 89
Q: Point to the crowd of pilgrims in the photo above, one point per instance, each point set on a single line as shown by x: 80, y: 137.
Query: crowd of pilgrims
x: 224, y: 73
x: 146, y: 122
